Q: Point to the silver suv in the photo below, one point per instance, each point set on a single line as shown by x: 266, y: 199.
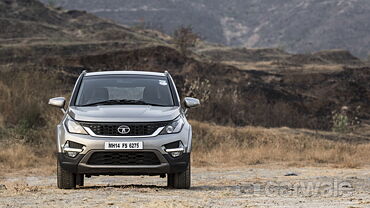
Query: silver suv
x: 124, y: 123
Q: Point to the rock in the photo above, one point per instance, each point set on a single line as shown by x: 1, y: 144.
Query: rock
x: 2, y: 187
x: 291, y: 174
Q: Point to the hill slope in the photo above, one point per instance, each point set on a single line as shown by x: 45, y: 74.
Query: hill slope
x: 30, y: 21
x: 293, y: 90
x: 296, y: 25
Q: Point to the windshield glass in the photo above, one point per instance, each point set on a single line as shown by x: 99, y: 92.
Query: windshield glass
x: 124, y: 89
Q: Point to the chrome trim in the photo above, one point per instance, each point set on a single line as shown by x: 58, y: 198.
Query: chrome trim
x: 143, y: 136
x: 68, y: 149
x: 180, y: 149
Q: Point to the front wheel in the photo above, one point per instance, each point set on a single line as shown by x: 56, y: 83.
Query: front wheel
x: 180, y: 180
x: 65, y: 179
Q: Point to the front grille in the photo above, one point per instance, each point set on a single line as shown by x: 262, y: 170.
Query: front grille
x: 136, y: 129
x: 123, y: 158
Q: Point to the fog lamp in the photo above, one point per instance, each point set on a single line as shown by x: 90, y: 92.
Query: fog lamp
x: 72, y: 152
x: 175, y: 152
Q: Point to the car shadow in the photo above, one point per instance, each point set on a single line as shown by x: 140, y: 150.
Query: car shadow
x: 214, y: 188
x: 130, y: 186
x: 139, y: 186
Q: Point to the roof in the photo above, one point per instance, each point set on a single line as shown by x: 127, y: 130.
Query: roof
x: 125, y: 73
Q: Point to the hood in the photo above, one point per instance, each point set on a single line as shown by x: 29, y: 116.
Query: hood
x: 124, y: 113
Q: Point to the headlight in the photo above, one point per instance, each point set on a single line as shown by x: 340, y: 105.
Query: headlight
x: 74, y: 127
x: 174, y: 127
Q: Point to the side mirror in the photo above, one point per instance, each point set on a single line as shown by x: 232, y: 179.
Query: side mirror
x: 191, y: 102
x: 58, y: 102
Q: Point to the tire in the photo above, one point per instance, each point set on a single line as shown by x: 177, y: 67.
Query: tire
x: 170, y: 180
x: 80, y: 179
x: 65, y: 179
x: 182, y: 180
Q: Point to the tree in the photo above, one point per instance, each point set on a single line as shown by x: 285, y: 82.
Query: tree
x: 185, y: 38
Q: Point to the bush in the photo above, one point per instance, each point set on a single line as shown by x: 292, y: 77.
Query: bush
x: 198, y: 88
x: 184, y: 38
x: 23, y: 104
x: 345, y: 121
x: 341, y: 123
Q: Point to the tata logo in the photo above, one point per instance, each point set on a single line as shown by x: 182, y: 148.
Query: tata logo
x: 123, y: 129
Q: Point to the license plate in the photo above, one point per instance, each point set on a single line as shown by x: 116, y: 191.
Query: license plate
x: 123, y: 145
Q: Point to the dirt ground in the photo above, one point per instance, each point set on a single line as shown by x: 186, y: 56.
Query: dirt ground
x: 257, y: 186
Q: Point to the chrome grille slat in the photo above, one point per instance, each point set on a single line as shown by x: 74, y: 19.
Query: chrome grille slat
x: 136, y: 129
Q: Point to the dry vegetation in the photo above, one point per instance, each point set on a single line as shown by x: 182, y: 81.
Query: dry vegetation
x: 184, y: 38
x: 27, y: 133
x: 215, y: 145
x: 34, y: 68
x: 227, y: 146
x: 27, y: 130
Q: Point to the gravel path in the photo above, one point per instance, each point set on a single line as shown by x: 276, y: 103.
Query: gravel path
x: 242, y: 187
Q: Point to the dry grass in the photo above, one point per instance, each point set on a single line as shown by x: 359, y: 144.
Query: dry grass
x: 27, y: 123
x: 20, y: 156
x: 27, y: 133
x: 270, y: 66
x: 258, y: 66
x: 17, y: 155
x: 227, y: 146
x: 321, y: 68
x: 215, y: 145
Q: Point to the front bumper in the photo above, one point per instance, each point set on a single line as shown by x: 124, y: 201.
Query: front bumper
x: 155, y: 144
x: 168, y: 164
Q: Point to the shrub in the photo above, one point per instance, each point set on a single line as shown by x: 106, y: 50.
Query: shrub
x: 198, y: 88
x: 184, y: 38
x: 341, y: 123
x: 24, y: 111
x: 345, y: 121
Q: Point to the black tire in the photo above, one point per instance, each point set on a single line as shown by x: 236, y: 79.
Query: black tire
x: 65, y: 179
x: 170, y: 180
x: 182, y: 180
x: 80, y: 179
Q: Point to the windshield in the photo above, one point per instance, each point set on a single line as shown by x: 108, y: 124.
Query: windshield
x: 124, y: 89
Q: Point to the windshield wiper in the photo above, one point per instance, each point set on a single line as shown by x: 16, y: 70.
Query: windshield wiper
x: 124, y: 101
x: 105, y: 102
x: 139, y: 102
